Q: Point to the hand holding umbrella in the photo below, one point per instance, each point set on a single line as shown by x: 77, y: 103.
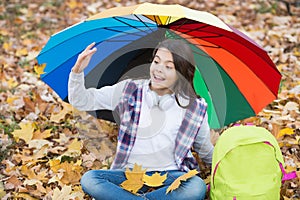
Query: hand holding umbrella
x: 84, y: 58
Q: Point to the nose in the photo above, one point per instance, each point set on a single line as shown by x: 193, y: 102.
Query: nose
x: 159, y: 68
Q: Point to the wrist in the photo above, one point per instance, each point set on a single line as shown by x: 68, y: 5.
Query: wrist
x: 76, y: 70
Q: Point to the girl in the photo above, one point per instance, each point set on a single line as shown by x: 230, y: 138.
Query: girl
x: 161, y: 119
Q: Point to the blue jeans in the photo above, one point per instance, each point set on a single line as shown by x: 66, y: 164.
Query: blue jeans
x: 104, y: 184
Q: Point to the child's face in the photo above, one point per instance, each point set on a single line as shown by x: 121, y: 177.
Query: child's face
x: 162, y: 72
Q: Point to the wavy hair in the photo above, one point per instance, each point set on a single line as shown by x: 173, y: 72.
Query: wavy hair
x: 184, y: 62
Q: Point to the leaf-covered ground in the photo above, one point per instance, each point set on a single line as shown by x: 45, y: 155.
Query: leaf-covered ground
x: 46, y: 145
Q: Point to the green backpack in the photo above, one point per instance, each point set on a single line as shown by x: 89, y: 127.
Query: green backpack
x: 247, y: 164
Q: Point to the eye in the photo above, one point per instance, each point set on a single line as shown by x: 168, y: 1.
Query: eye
x: 155, y: 60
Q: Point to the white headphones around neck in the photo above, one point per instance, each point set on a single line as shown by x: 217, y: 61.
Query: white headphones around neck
x: 164, y: 102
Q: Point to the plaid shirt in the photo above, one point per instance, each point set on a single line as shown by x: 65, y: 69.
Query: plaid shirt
x: 129, y: 110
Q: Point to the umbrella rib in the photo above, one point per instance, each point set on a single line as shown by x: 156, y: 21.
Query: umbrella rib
x: 128, y: 24
x: 197, y: 29
x: 143, y: 22
x: 119, y: 31
x: 155, y: 19
x: 201, y: 54
x: 194, y: 37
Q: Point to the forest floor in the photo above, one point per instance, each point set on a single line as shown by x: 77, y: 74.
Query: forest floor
x: 46, y: 145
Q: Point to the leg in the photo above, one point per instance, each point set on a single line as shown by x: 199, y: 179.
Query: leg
x: 191, y: 189
x: 104, y: 184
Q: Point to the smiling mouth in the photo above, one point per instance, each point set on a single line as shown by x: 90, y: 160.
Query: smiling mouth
x: 157, y: 78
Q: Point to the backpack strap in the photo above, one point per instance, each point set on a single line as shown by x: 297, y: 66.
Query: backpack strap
x: 287, y: 176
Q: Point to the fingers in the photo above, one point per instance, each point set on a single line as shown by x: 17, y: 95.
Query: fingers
x: 89, y: 50
x: 84, y: 58
x: 90, y: 46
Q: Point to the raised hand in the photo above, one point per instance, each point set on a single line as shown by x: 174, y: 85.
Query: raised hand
x: 84, y: 58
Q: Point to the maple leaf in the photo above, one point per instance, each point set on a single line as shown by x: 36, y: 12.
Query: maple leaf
x: 285, y: 131
x: 42, y: 135
x: 183, y: 177
x: 54, y: 165
x: 134, y: 180
x: 21, y: 52
x: 57, y: 117
x: 74, y: 148
x: 25, y: 133
x: 71, y: 173
x: 39, y: 69
x: 10, y: 100
x: 63, y: 193
x: 155, y: 180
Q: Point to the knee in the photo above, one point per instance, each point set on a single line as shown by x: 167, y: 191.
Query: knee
x: 88, y: 180
x: 198, y: 188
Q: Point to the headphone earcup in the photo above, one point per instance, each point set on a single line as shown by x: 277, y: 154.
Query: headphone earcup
x: 166, y: 102
x: 152, y: 98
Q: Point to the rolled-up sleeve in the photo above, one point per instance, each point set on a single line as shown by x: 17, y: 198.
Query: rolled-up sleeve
x: 91, y: 99
x: 202, y: 144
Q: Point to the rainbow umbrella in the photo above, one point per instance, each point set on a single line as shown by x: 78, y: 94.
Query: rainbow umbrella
x: 234, y: 74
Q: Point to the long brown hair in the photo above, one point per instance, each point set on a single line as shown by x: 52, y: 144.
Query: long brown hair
x: 184, y: 62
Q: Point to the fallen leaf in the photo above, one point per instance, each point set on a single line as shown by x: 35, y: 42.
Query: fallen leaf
x: 62, y: 194
x: 42, y: 135
x: 57, y: 117
x: 21, y: 52
x: 39, y: 69
x: 286, y: 131
x: 74, y: 148
x: 71, y: 173
x: 155, y: 180
x: 12, y: 183
x: 2, y: 192
x: 134, y: 180
x: 183, y: 177
x: 25, y: 133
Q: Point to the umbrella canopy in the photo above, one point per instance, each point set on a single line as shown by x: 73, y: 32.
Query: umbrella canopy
x: 234, y: 74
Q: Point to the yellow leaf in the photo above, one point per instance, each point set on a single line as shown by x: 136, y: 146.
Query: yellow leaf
x: 12, y: 83
x: 39, y: 69
x: 25, y: 133
x: 173, y: 186
x: 74, y: 148
x: 2, y: 192
x: 71, y: 173
x: 6, y: 46
x: 183, y: 177
x: 290, y: 168
x: 74, y: 4
x: 10, y: 100
x: 42, y: 135
x: 134, y: 180
x: 54, y: 165
x: 21, y: 52
x: 61, y: 194
x: 67, y: 109
x: 75, y: 145
x: 286, y: 131
x: 155, y: 180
